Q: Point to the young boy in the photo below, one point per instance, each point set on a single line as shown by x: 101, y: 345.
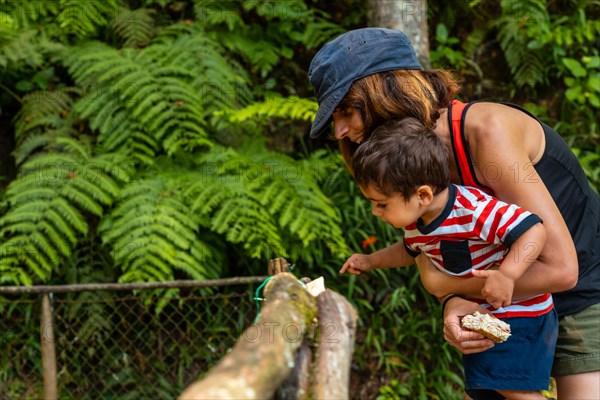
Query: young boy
x: 403, y: 170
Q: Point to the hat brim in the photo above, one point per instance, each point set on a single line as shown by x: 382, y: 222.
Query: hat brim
x: 326, y: 108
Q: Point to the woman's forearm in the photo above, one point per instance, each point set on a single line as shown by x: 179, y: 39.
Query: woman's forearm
x: 440, y: 284
x: 538, y: 279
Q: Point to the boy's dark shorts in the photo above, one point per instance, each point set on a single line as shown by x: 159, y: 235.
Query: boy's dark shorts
x: 523, y: 362
x: 578, y: 344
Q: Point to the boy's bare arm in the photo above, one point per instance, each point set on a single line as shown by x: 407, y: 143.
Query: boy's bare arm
x: 524, y: 251
x: 390, y: 257
x: 393, y: 256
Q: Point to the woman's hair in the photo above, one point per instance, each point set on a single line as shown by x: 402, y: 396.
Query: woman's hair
x: 398, y: 94
x: 400, y: 156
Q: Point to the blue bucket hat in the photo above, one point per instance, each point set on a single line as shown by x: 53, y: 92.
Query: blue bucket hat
x: 352, y: 56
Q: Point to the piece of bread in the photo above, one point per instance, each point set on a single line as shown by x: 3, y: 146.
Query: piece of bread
x: 316, y: 287
x: 489, y: 326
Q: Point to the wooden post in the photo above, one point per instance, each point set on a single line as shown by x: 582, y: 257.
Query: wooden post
x: 297, y: 385
x: 275, y: 356
x: 335, y: 346
x: 278, y: 265
x: 265, y: 353
x: 48, y: 350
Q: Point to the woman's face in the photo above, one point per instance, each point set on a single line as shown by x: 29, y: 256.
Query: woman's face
x: 348, y: 123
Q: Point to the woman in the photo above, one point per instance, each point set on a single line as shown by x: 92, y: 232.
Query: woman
x: 368, y: 76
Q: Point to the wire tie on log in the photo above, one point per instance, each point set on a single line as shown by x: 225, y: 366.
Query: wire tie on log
x: 257, y: 299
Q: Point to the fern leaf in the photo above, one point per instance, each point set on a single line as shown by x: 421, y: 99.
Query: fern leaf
x: 63, y: 225
x: 39, y: 266
x: 293, y: 107
x: 82, y: 18
x: 134, y: 27
x: 82, y: 199
x: 151, y: 218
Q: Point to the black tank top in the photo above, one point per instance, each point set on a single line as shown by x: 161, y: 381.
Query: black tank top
x: 566, y: 181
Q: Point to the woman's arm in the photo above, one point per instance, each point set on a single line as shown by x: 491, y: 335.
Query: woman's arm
x: 503, y: 143
x: 441, y: 285
x: 502, y: 146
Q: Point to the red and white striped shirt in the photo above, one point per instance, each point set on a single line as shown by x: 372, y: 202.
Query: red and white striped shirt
x: 475, y: 231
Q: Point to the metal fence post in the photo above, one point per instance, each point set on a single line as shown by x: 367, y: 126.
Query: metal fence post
x: 48, y: 349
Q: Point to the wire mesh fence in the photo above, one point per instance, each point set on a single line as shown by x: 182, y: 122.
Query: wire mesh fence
x: 120, y: 345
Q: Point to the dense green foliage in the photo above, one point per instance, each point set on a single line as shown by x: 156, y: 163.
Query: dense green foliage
x: 542, y: 54
x: 147, y: 140
x: 132, y: 136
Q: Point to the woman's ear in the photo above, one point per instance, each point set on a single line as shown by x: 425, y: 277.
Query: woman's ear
x: 425, y: 195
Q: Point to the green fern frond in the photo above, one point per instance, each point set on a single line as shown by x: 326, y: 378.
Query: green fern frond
x: 27, y: 13
x: 307, y: 213
x: 83, y: 18
x: 43, y: 118
x: 10, y: 274
x: 117, y: 131
x: 262, y: 54
x: 219, y: 81
x: 268, y: 198
x: 214, y: 13
x: 293, y: 107
x: 137, y: 90
x: 320, y: 30
x: 521, y: 22
x: 236, y: 213
x: 20, y: 48
x: 473, y: 41
x: 60, y: 228
x: 48, y: 203
x: 30, y: 145
x: 152, y: 233
x: 83, y: 200
x: 8, y: 27
x: 134, y: 27
x: 152, y: 98
x: 288, y: 10
x: 37, y: 263
x: 531, y: 70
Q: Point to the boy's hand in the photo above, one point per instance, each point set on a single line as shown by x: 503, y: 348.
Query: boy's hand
x: 498, y: 288
x: 357, y: 264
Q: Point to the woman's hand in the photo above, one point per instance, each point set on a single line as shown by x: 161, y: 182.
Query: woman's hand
x: 467, y: 342
x: 357, y: 264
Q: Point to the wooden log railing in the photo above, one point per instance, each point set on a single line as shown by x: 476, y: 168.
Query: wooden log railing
x: 300, y: 348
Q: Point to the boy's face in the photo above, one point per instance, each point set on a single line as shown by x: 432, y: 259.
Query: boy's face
x: 394, y: 210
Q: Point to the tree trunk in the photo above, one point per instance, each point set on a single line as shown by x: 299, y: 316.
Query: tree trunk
x: 297, y: 385
x: 275, y: 357
x: 408, y: 16
x: 264, y: 355
x: 335, y: 341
